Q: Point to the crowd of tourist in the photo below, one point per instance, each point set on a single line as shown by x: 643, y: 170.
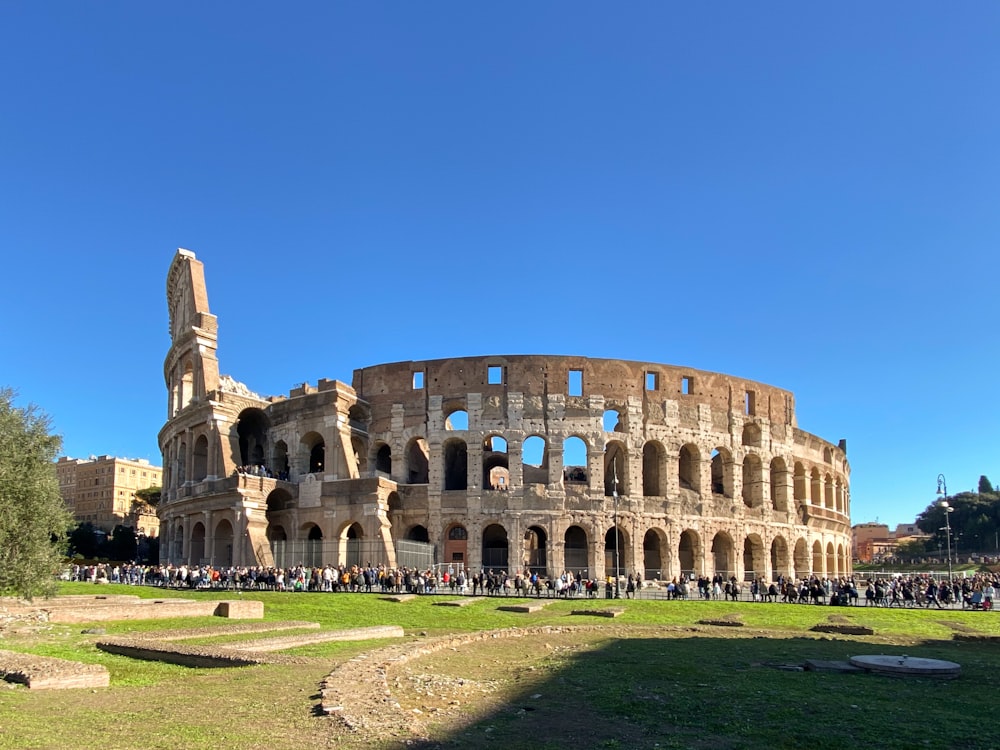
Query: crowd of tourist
x: 905, y: 591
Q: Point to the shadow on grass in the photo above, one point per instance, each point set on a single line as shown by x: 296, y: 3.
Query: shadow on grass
x: 698, y: 692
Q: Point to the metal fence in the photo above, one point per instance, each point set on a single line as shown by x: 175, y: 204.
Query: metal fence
x: 319, y: 552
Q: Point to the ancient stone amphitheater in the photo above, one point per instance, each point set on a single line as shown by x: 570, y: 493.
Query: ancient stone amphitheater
x: 548, y: 463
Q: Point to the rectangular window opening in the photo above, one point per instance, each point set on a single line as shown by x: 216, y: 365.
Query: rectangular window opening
x: 494, y: 375
x: 576, y: 382
x: 750, y: 403
x: 687, y: 386
x: 652, y: 381
x: 418, y: 380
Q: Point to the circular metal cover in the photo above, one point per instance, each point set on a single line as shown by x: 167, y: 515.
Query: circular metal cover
x: 910, y: 666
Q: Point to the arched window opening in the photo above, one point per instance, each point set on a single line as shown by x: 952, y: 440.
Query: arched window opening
x: 418, y: 533
x: 828, y: 501
x: 418, y: 466
x: 816, y: 489
x: 800, y: 484
x: 753, y: 558
x: 779, y: 484
x: 279, y: 461
x: 223, y: 544
x: 187, y: 385
x: 200, y: 456
x: 817, y: 558
x: 653, y: 459
x: 723, y: 555
x: 575, y: 461
x: 251, y: 431
x: 753, y: 481
x: 534, y: 460
x: 182, y: 464
x: 535, y: 540
x: 277, y: 501
x: 779, y: 558
x: 277, y: 534
x: 688, y: 550
x: 456, y: 544
x: 575, y: 548
x: 198, y: 544
x: 688, y: 471
x: 653, y: 549
x: 614, y: 554
x: 722, y: 472
x: 354, y: 541
x: 383, y: 460
x: 496, y: 472
x: 839, y: 496
x: 456, y: 465
x: 313, y: 452
x: 615, y: 472
x: 831, y: 562
x: 612, y: 421
x: 457, y: 420
x: 495, y: 548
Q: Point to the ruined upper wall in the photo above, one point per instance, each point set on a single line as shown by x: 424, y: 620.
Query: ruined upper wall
x: 540, y: 375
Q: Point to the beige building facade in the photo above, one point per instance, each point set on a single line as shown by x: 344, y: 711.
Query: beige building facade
x: 101, y: 490
x: 548, y: 463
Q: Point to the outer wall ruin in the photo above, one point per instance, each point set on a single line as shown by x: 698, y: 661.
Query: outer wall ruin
x: 503, y: 462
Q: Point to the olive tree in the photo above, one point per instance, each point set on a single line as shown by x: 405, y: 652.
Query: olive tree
x: 33, y: 518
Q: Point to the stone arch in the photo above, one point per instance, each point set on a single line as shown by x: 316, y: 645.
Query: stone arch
x: 276, y: 533
x: 198, y: 543
x: 455, y: 454
x: 754, y: 563
x: 575, y: 460
x: 753, y: 481
x: 187, y: 384
x: 779, y: 484
x: 612, y: 420
x: 383, y: 459
x: 279, y: 460
x: 223, y: 543
x: 655, y: 554
x: 800, y: 485
x: 252, y: 426
x: 722, y: 472
x: 418, y: 533
x: 496, y: 463
x: 457, y: 419
x: 689, y: 468
x: 575, y: 548
x: 313, y: 451
x: 535, y: 543
x: 838, y: 493
x: 615, y: 468
x: 689, y: 553
x: 495, y: 547
x: 828, y: 500
x: 831, y: 561
x: 352, y: 538
x: 417, y: 463
x: 817, y: 557
x: 278, y: 500
x: 535, y: 460
x: 610, y: 551
x: 723, y: 554
x: 199, y: 456
x: 456, y: 544
x: 815, y: 488
x: 654, y: 457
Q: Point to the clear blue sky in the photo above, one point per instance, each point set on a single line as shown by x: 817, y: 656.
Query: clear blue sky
x: 800, y: 194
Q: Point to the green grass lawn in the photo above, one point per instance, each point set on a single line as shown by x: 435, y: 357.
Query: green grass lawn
x: 652, y: 677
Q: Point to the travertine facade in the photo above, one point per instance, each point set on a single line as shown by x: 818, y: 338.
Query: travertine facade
x: 101, y: 490
x: 508, y: 462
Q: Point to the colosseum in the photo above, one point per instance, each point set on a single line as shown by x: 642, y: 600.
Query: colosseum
x: 547, y: 463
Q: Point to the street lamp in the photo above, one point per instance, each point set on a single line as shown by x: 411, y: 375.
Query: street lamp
x: 942, y: 489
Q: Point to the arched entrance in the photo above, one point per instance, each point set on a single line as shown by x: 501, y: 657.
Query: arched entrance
x: 534, y: 559
x: 495, y: 547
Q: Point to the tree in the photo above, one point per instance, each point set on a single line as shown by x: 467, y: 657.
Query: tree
x: 985, y: 488
x: 33, y: 517
x: 149, y: 495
